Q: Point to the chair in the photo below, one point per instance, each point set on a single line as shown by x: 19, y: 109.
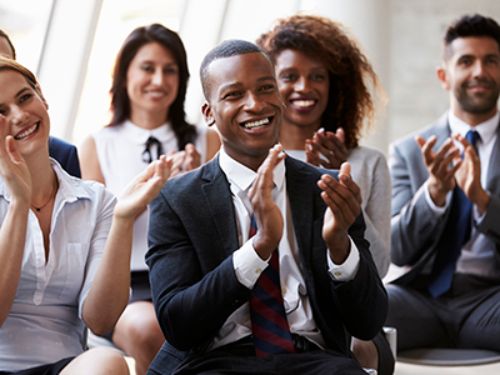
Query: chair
x: 448, y: 357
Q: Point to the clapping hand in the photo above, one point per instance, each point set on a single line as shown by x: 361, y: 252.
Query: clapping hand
x: 13, y: 167
x: 327, y: 149
x: 143, y: 189
x: 468, y: 175
x: 441, y: 166
x: 267, y: 213
x: 343, y: 200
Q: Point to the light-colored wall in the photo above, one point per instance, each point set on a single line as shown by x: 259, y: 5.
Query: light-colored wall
x: 417, y: 29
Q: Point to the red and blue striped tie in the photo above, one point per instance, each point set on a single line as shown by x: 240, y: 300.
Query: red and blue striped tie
x: 270, y: 329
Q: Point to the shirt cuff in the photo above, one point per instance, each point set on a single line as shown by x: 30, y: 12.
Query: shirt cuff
x: 248, y: 265
x: 347, y: 270
x: 436, y: 209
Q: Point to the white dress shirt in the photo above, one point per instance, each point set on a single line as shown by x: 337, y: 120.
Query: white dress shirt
x: 248, y: 265
x: 45, y: 323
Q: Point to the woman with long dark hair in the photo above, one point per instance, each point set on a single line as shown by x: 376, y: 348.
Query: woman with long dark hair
x: 148, y: 119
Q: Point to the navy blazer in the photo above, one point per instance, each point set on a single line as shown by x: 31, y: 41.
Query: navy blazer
x: 192, y: 235
x: 66, y: 154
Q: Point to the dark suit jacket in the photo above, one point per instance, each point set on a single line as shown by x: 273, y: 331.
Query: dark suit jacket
x: 192, y: 236
x: 415, y: 228
x: 66, y: 154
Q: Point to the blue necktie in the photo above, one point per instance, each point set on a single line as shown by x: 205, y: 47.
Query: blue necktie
x: 270, y: 329
x: 455, y: 235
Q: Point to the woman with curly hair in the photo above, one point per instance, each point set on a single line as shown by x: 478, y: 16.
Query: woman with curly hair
x: 326, y: 81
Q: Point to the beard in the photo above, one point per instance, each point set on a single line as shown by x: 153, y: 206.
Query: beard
x: 479, y: 103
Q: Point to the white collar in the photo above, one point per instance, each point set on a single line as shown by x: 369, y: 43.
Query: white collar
x: 163, y: 133
x: 70, y: 188
x: 485, y: 129
x: 242, y: 176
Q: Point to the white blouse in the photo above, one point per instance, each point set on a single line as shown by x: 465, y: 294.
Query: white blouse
x: 119, y: 151
x: 45, y: 323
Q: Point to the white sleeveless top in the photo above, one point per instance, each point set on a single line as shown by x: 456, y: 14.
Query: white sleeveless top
x: 119, y: 151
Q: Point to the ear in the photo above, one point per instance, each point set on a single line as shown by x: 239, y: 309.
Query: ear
x: 442, y: 75
x: 206, y: 110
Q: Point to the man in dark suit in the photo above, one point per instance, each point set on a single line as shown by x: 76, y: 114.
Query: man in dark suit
x: 446, y: 204
x: 206, y: 268
x: 65, y: 153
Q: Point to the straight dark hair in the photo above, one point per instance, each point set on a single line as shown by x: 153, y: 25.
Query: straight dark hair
x: 120, y: 101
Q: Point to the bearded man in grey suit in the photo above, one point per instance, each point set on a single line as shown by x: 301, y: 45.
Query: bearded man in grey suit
x: 446, y: 204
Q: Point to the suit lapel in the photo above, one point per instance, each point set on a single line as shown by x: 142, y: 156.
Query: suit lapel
x: 221, y: 208
x: 301, y: 198
x: 493, y: 176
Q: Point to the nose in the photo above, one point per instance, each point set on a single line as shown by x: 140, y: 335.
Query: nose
x: 253, y: 103
x: 157, y: 78
x: 478, y: 69
x: 17, y: 116
x: 302, y: 84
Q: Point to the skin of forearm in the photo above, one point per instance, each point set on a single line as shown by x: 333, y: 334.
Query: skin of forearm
x: 12, y: 242
x: 109, y: 293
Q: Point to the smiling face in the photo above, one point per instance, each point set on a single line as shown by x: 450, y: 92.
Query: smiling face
x: 304, y: 84
x: 472, y: 75
x: 244, y: 102
x: 152, y: 81
x: 24, y: 113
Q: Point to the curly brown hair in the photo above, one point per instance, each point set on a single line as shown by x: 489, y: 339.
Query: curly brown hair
x: 350, y: 100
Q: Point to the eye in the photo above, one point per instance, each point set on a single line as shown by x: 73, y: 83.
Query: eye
x: 3, y: 111
x: 230, y: 95
x: 465, y: 61
x: 288, y: 77
x: 318, y: 77
x: 25, y: 97
x: 171, y: 70
x: 492, y: 60
x: 268, y: 87
x: 148, y: 68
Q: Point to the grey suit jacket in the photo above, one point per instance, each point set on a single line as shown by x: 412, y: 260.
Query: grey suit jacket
x: 415, y: 227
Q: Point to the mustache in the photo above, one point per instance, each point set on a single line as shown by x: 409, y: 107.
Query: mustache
x: 481, y: 82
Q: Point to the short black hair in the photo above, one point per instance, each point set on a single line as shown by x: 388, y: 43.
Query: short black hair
x: 474, y: 25
x: 4, y: 35
x: 227, y: 48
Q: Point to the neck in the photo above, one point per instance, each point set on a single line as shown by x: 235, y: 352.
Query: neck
x: 473, y: 119
x: 293, y: 137
x: 148, y: 120
x: 44, y: 182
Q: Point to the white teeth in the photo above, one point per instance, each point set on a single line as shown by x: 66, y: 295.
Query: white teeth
x: 27, y: 132
x: 303, y: 103
x: 255, y: 124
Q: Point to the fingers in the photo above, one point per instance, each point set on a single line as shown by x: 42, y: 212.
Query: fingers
x: 264, y: 180
x: 343, y: 195
x: 192, y: 158
x: 340, y: 133
x: 331, y: 147
x: 12, y: 151
x: 344, y: 203
x: 312, y: 153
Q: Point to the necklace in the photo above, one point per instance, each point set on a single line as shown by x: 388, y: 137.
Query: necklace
x: 52, y: 195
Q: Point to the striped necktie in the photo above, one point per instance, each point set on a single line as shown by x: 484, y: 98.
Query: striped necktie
x: 270, y: 329
x: 455, y: 235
